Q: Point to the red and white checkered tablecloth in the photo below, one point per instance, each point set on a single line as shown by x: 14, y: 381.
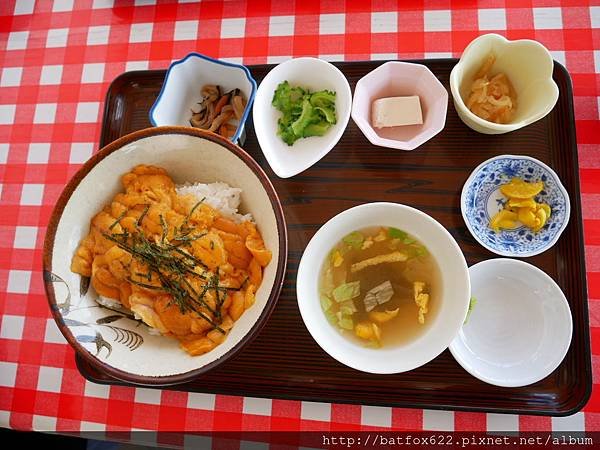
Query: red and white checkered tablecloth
x: 57, y: 59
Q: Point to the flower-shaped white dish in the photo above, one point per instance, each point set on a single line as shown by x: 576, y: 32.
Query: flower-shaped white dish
x: 454, y: 300
x: 180, y: 93
x: 481, y: 199
x: 394, y: 79
x: 111, y: 341
x: 529, y: 67
x: 309, y: 73
x: 520, y: 328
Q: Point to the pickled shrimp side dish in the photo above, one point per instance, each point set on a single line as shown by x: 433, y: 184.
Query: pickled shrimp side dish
x: 188, y: 267
x: 492, y: 97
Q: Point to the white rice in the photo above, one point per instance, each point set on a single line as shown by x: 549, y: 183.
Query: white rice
x: 221, y: 196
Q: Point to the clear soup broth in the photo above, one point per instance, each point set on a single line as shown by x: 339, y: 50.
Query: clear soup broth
x: 380, y: 286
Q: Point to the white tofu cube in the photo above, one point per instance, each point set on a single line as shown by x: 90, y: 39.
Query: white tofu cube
x: 396, y: 112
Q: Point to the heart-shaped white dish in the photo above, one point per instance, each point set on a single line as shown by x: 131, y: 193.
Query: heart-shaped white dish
x: 313, y: 74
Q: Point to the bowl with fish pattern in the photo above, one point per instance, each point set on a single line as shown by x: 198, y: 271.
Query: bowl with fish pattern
x: 109, y: 336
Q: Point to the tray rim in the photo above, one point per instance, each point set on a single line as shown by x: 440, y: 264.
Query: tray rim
x: 576, y: 211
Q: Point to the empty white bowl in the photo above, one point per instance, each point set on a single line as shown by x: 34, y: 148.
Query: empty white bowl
x: 313, y: 74
x: 520, y: 329
x: 180, y: 93
x: 394, y: 79
x: 527, y: 64
x: 454, y: 299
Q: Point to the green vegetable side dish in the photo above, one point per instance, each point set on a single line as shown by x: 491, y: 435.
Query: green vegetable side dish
x: 305, y: 113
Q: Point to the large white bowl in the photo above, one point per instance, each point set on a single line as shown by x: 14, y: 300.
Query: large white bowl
x: 528, y: 65
x: 316, y: 75
x: 118, y: 345
x: 454, y: 299
x: 520, y: 329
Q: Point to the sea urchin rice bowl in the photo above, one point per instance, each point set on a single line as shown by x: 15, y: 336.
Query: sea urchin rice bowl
x: 112, y: 342
x: 220, y: 196
x: 173, y: 260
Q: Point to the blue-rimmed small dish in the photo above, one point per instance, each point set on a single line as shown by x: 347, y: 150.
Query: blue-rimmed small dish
x: 180, y: 93
x: 481, y: 199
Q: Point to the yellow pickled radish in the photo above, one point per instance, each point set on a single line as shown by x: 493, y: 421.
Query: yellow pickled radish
x: 507, y: 224
x: 541, y: 217
x: 521, y: 203
x: 527, y: 217
x: 521, y: 206
x: 518, y: 188
x: 546, y: 208
x: 501, y: 216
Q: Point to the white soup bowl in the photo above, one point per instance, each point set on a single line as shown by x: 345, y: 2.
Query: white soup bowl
x: 454, y: 299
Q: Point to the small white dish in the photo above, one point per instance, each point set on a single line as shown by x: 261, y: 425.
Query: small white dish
x: 527, y: 64
x: 180, y: 92
x: 313, y: 74
x: 393, y: 79
x: 481, y: 199
x: 520, y: 329
x: 455, y: 289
